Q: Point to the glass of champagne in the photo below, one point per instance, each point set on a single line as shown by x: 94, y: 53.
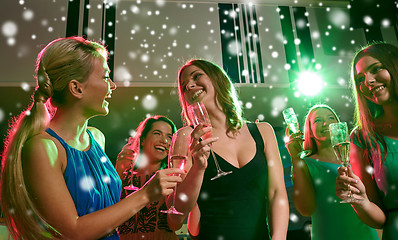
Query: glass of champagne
x: 133, y: 159
x: 291, y: 120
x: 197, y: 114
x: 178, y: 154
x: 340, y: 140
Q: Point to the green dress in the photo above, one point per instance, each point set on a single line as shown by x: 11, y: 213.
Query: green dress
x: 333, y: 220
x: 386, y: 178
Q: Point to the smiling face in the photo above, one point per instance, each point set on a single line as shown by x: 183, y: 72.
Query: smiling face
x: 156, y: 144
x: 319, y: 122
x: 98, y: 88
x: 196, y: 85
x: 373, y: 80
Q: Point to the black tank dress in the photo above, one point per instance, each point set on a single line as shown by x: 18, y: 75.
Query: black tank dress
x: 235, y: 206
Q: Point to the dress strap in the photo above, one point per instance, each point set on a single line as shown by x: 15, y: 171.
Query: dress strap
x: 52, y: 133
x: 253, y: 129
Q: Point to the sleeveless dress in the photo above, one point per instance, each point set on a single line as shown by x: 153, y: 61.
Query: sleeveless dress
x: 386, y: 178
x: 235, y: 206
x: 91, y: 178
x: 333, y: 220
x: 149, y: 223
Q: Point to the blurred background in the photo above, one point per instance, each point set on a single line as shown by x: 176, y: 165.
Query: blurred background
x: 279, y: 53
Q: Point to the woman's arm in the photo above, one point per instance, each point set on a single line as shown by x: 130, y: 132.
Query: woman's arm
x: 196, y: 166
x: 278, y: 202
x: 303, y: 188
x: 193, y: 222
x: 364, y: 189
x: 43, y: 164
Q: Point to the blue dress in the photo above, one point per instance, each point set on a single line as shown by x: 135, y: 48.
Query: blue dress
x: 333, y: 220
x: 386, y: 178
x: 234, y: 207
x: 91, y: 178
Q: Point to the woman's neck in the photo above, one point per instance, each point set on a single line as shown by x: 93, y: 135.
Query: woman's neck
x: 390, y: 113
x: 69, y: 125
x: 326, y: 153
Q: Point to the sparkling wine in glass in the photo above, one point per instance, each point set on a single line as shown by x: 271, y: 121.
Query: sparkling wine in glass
x: 197, y: 114
x: 177, y: 158
x: 133, y: 157
x: 291, y: 120
x: 340, y: 140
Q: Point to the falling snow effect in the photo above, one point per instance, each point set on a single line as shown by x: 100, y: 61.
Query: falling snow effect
x: 87, y: 183
x: 155, y: 43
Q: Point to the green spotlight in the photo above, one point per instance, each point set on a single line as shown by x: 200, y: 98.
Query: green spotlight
x: 309, y: 84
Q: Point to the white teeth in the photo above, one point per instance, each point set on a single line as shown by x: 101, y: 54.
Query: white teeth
x: 379, y: 88
x: 160, y: 148
x: 196, y: 94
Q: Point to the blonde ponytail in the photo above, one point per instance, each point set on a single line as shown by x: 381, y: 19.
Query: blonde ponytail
x: 59, y: 62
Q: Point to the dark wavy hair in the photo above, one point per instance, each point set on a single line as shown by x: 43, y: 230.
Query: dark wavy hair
x: 143, y: 129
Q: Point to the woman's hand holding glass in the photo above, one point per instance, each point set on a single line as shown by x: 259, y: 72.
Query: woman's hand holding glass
x: 295, y: 144
x: 162, y: 183
x: 200, y: 149
x: 349, y: 187
x: 292, y: 124
x: 197, y: 114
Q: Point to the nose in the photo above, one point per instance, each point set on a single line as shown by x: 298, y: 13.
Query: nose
x: 164, y: 139
x: 369, y: 79
x: 112, y: 85
x: 191, y: 84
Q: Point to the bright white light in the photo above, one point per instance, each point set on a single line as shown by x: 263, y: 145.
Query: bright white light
x: 9, y: 29
x: 309, y: 83
x: 386, y: 22
x: 368, y: 20
x: 149, y: 102
x: 28, y: 15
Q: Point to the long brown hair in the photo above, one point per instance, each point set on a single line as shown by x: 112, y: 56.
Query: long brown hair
x: 225, y: 93
x: 366, y: 111
x: 61, y: 61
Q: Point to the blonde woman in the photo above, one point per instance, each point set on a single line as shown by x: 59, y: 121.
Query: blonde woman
x: 57, y: 181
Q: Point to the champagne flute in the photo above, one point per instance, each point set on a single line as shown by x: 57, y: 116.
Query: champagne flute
x: 131, y: 145
x: 178, y: 154
x: 340, y: 140
x: 197, y: 114
x: 291, y: 120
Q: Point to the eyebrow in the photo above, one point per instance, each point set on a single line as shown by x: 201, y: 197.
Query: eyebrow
x: 194, y: 72
x: 369, y: 67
